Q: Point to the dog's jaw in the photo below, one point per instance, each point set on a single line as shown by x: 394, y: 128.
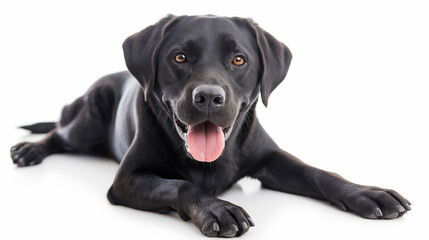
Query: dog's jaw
x: 183, y: 130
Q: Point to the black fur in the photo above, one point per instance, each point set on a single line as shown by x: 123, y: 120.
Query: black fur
x: 142, y: 124
x: 43, y: 127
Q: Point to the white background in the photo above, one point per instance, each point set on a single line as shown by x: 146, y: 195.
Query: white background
x: 355, y: 101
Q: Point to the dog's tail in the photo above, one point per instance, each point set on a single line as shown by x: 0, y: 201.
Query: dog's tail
x: 43, y: 127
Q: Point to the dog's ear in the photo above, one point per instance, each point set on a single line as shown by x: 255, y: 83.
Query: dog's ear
x: 140, y: 51
x: 275, y: 59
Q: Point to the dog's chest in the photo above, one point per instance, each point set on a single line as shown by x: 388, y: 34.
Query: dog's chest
x: 214, y: 178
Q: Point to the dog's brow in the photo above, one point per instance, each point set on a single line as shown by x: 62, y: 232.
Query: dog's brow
x: 194, y: 44
x: 227, y: 42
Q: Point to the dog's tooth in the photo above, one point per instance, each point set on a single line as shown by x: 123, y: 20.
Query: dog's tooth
x: 187, y: 127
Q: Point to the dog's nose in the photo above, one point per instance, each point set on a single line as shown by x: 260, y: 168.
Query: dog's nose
x: 208, y: 98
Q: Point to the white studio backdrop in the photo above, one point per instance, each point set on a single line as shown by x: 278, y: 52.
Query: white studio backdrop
x: 355, y: 101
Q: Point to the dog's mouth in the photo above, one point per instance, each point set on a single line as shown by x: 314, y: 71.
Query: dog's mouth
x: 204, y: 141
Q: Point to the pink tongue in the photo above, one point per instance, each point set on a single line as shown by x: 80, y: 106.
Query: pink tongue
x: 205, y: 141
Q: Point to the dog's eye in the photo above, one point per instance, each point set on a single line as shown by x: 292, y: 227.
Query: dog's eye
x: 180, y: 58
x: 238, y: 60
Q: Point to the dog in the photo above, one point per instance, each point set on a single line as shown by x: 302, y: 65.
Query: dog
x: 181, y: 123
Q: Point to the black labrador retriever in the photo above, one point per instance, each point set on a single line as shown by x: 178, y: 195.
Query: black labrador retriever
x: 186, y: 130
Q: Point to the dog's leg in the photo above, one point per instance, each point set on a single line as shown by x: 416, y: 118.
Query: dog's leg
x: 212, y: 216
x: 139, y: 189
x: 82, y: 128
x: 286, y: 173
x: 28, y: 154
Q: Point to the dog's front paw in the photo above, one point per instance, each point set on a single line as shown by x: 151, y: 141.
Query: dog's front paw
x: 217, y: 218
x: 374, y: 202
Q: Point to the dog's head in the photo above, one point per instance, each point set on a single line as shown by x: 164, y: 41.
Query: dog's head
x: 207, y: 71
